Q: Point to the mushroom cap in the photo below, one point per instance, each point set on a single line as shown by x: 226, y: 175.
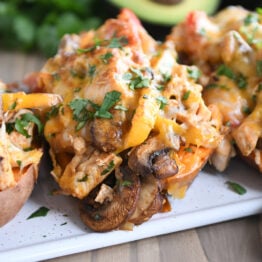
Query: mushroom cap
x: 112, y: 214
x: 149, y: 202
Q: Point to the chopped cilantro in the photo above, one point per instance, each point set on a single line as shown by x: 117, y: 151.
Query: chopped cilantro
x: 163, y: 101
x: 224, y: 70
x: 166, y: 77
x: 194, y: 73
x: 91, y: 70
x: 109, y: 168
x: 41, y: 212
x: 83, y: 179
x: 188, y: 149
x: 13, y: 106
x: 53, y: 112
x: 126, y: 183
x: 136, y: 79
x: 250, y: 19
x: 19, y: 162
x: 80, y: 112
x: 115, y: 42
x: 236, y: 187
x: 106, y: 57
x: 110, y: 99
x: 118, y: 42
x: 22, y: 123
x: 160, y: 87
x: 186, y: 95
x: 76, y: 90
x: 239, y: 79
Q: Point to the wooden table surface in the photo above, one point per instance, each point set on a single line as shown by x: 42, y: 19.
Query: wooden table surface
x: 238, y: 240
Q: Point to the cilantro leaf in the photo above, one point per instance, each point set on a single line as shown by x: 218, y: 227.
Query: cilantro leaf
x: 224, y: 70
x: 109, y: 168
x: 194, y: 73
x: 110, y: 99
x: 80, y: 112
x: 236, y: 187
x: 118, y: 42
x: 22, y: 123
x: 41, y: 212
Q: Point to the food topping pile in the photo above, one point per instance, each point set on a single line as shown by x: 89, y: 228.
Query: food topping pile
x: 138, y: 119
x: 227, y: 48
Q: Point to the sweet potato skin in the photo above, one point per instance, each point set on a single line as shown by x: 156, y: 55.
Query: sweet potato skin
x: 13, y: 199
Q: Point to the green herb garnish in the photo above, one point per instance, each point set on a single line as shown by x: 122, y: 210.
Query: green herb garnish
x: 186, y: 95
x: 239, y: 79
x: 136, y: 79
x: 13, y: 106
x: 110, y: 99
x: 41, y: 212
x: 188, y: 149
x: 109, y: 168
x: 236, y: 187
x: 91, y: 70
x: 83, y: 179
x: 250, y: 19
x: 194, y: 73
x: 126, y: 183
x: 22, y: 123
x: 53, y: 112
x: 163, y: 101
x: 80, y: 112
x: 118, y: 42
x: 106, y: 57
x: 224, y: 70
x: 115, y: 42
x: 19, y: 162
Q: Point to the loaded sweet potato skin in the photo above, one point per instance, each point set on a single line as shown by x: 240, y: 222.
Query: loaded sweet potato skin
x: 20, y: 147
x: 13, y: 199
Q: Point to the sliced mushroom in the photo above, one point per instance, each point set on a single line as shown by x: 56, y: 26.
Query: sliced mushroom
x: 152, y: 157
x: 149, y: 201
x: 107, y: 133
x: 112, y: 214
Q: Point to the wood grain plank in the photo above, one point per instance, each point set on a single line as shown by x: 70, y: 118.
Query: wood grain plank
x: 148, y: 250
x: 181, y: 246
x: 113, y: 254
x: 236, y: 240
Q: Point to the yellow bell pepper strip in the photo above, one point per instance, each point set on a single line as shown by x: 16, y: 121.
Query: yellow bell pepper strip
x: 144, y: 118
x: 21, y: 100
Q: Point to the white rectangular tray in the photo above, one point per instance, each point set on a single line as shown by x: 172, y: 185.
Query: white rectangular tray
x: 61, y: 232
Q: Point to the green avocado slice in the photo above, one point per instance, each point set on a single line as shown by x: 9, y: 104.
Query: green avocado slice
x: 163, y: 14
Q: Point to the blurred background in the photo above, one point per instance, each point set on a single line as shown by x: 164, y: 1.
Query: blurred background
x: 38, y: 25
